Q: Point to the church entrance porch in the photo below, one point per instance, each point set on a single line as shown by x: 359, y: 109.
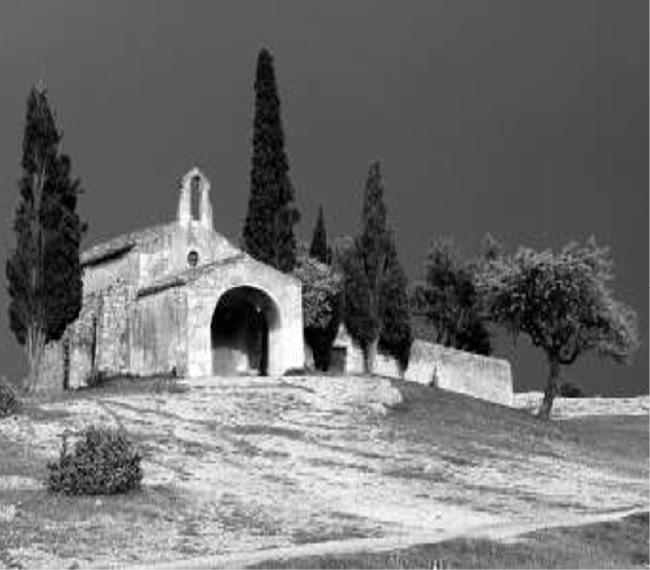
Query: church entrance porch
x: 242, y: 323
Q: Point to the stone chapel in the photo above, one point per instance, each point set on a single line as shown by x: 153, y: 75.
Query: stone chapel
x: 179, y: 299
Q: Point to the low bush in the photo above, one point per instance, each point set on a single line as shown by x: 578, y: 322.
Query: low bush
x: 9, y: 403
x: 103, y: 462
x: 569, y: 390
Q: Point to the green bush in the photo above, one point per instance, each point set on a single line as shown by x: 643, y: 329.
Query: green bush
x: 9, y: 403
x: 103, y: 462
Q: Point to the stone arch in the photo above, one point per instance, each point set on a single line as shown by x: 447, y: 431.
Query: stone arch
x: 194, y: 208
x: 244, y: 332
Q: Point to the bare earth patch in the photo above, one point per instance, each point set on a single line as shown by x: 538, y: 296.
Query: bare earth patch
x: 244, y: 464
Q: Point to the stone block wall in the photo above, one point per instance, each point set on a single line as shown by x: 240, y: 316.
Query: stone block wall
x: 82, y: 338
x: 52, y: 369
x: 286, y: 348
x: 158, y: 329
x: 450, y: 369
x: 463, y: 372
x: 112, y: 333
x: 97, y: 277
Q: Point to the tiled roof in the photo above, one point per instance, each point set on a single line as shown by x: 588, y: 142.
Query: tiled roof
x: 121, y: 244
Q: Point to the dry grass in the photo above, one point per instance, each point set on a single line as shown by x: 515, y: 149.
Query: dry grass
x: 249, y: 464
x: 619, y: 544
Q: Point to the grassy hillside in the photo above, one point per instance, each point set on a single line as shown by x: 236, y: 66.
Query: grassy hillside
x: 243, y: 464
x: 616, y: 544
x: 461, y: 423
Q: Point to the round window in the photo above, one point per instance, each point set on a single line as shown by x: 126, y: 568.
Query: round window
x: 192, y: 258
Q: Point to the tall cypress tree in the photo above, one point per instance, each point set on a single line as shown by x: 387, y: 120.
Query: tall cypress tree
x: 375, y: 286
x: 396, y: 335
x: 268, y: 229
x: 318, y: 249
x: 44, y: 271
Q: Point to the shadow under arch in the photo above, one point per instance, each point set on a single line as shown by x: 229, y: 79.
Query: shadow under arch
x: 244, y: 329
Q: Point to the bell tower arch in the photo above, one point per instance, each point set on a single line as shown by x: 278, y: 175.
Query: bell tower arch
x: 194, y: 205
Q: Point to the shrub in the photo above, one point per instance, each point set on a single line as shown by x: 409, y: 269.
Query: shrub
x: 103, y: 462
x: 321, y: 306
x: 9, y: 403
x: 569, y: 390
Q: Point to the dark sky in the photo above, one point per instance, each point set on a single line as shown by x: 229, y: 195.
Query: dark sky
x: 525, y: 119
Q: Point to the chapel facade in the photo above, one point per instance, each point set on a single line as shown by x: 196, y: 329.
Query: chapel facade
x: 179, y: 299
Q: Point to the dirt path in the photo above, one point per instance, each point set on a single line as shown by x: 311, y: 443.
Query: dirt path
x: 501, y: 531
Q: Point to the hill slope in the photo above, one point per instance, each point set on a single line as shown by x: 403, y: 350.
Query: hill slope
x: 244, y: 464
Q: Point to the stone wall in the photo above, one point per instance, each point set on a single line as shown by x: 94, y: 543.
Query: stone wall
x: 166, y: 253
x: 51, y: 373
x: 98, y: 277
x: 450, y: 369
x: 82, y: 336
x: 112, y: 334
x: 158, y: 332
x: 286, y: 347
x: 479, y: 376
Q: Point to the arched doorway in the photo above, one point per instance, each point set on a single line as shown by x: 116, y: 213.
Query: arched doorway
x: 242, y: 323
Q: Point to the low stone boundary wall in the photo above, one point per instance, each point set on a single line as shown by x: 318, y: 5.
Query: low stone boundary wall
x: 480, y: 376
x: 483, y: 377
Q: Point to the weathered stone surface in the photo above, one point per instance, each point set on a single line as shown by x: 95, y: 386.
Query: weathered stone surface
x: 286, y: 348
x: 52, y: 368
x: 455, y: 370
x: 480, y: 376
x: 150, y: 297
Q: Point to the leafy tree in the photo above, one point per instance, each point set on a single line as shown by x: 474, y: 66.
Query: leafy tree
x: 371, y: 274
x: 44, y: 272
x: 319, y: 249
x: 268, y: 229
x: 564, y: 302
x: 448, y: 300
x: 321, y: 306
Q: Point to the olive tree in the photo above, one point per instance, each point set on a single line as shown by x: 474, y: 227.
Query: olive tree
x: 563, y: 301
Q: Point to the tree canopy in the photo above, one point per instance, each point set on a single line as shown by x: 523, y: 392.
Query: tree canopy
x: 448, y: 301
x: 321, y: 306
x: 563, y: 301
x: 374, y: 283
x: 319, y: 249
x: 44, y: 271
x: 268, y: 230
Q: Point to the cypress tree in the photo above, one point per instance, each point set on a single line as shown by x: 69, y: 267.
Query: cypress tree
x: 374, y: 284
x: 318, y: 249
x: 44, y: 271
x: 396, y: 336
x: 268, y: 229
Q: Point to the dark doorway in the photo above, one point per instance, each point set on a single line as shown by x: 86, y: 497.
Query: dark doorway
x: 240, y: 331
x: 338, y: 359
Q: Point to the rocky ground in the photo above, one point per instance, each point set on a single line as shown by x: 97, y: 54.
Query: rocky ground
x: 244, y: 464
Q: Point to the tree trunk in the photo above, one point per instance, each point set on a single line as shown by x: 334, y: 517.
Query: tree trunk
x: 369, y: 357
x: 552, y: 389
x: 35, y: 347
